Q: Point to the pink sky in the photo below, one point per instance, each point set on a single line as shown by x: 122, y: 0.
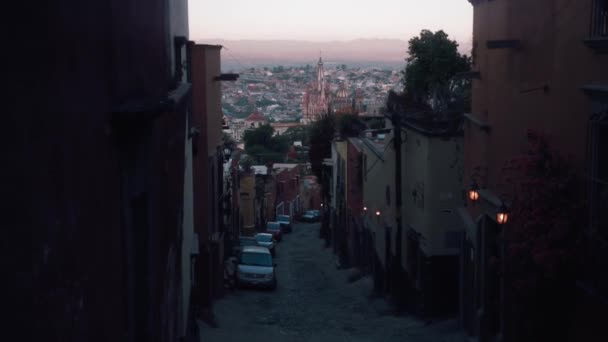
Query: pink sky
x: 325, y: 20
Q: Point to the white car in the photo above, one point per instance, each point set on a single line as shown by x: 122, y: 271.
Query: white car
x: 255, y: 268
x: 265, y: 240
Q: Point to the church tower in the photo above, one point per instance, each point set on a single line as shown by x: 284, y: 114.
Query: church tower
x: 321, y: 78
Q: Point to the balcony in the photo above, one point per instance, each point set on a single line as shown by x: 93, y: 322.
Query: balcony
x: 598, y: 33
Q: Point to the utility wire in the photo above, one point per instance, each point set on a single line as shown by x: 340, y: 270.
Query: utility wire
x: 378, y: 158
x: 234, y: 58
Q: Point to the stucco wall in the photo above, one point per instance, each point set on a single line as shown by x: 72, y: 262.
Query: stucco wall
x: 187, y: 232
x: 247, y: 198
x: 509, y: 96
x: 445, y: 195
x: 379, y: 175
x: 207, y: 96
x: 415, y: 180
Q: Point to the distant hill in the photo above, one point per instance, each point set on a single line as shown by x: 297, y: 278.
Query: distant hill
x: 239, y: 54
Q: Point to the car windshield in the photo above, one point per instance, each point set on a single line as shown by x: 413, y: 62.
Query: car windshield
x: 247, y: 242
x: 283, y: 218
x: 256, y: 259
x: 273, y: 226
x: 264, y: 237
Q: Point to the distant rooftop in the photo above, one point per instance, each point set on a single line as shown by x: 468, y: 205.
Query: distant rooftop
x: 260, y: 169
x: 284, y: 166
x: 256, y: 116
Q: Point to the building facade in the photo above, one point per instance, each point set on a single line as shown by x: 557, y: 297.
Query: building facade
x: 520, y: 84
x: 208, y: 169
x: 317, y: 96
x: 319, y: 99
x: 287, y: 178
x: 100, y: 217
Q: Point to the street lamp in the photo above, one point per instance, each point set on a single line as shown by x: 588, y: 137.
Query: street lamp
x: 474, y: 192
x: 502, y: 216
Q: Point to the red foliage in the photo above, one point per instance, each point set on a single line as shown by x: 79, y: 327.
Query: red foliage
x: 546, y: 214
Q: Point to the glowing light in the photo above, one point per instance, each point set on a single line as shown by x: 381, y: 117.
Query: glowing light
x: 502, y: 216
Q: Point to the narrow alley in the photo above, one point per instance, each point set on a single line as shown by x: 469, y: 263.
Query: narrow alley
x: 316, y: 302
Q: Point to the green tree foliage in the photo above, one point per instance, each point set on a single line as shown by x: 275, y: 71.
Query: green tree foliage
x: 262, y: 155
x: 262, y: 146
x: 299, y: 133
x: 228, y: 141
x: 261, y: 136
x: 432, y: 65
x: 349, y: 125
x: 322, y: 133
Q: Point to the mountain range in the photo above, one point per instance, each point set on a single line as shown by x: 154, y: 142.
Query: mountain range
x: 240, y: 54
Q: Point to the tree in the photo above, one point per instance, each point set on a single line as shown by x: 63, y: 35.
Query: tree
x: 298, y: 133
x: 263, y: 146
x: 322, y: 133
x: 228, y: 141
x: 432, y: 65
x: 261, y: 136
x: 349, y: 125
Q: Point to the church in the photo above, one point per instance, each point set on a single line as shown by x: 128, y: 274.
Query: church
x: 319, y: 99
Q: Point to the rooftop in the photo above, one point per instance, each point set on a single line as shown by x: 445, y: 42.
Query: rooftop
x: 256, y: 116
x: 284, y: 166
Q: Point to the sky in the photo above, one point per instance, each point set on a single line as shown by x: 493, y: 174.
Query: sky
x: 327, y: 20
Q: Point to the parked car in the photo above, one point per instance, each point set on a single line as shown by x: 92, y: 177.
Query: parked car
x: 316, y: 214
x: 244, y: 241
x: 266, y: 240
x: 311, y: 216
x: 274, y: 228
x: 285, y: 222
x: 255, y: 267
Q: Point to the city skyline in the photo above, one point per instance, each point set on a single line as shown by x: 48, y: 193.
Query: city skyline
x: 323, y: 21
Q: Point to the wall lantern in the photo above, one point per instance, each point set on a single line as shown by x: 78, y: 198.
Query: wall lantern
x: 378, y: 213
x: 502, y: 216
x: 365, y: 209
x: 474, y: 192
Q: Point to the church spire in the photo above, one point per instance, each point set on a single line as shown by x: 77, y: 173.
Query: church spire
x: 320, y: 76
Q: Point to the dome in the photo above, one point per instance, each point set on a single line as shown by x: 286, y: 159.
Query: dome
x: 342, y: 92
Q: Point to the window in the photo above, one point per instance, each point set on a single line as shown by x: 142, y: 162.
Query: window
x: 599, y: 19
x: 599, y: 172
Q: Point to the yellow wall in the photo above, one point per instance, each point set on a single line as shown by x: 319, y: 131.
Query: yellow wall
x: 378, y: 174
x: 247, y: 203
x: 213, y: 97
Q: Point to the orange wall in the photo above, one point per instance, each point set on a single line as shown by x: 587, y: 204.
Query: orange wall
x: 553, y: 54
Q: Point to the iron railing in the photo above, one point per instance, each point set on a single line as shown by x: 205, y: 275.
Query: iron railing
x: 599, y: 19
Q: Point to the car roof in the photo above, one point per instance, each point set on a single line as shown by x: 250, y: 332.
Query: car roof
x: 255, y: 249
x: 263, y: 234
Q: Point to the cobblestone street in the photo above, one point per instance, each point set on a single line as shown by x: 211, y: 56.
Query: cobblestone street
x: 315, y: 302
